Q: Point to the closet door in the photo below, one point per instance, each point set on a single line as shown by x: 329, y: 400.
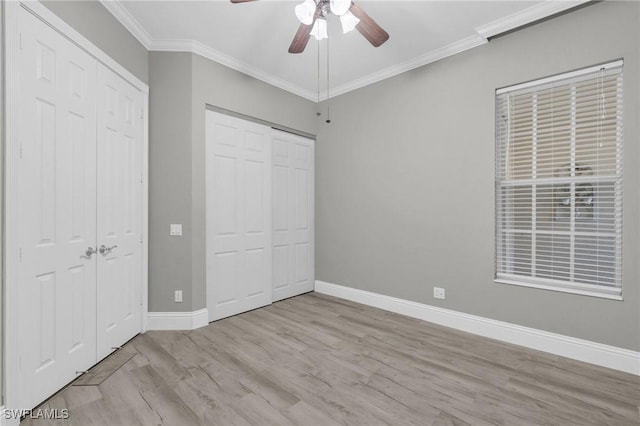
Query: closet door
x: 238, y: 215
x: 293, y: 204
x: 119, y: 215
x: 57, y: 205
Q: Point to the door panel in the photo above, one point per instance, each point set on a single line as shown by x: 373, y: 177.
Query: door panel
x: 301, y: 196
x: 119, y: 188
x: 57, y: 207
x: 303, y: 262
x: 293, y: 267
x: 238, y: 194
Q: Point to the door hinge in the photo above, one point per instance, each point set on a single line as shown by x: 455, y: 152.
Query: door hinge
x: 20, y: 254
x: 20, y: 37
x: 141, y: 114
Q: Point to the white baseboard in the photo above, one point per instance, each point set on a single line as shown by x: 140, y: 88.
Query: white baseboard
x: 557, y: 344
x: 178, y: 320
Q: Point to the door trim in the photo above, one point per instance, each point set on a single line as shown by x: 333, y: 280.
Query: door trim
x: 275, y: 126
x: 11, y: 251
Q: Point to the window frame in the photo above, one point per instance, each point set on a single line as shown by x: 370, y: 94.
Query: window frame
x: 614, y: 292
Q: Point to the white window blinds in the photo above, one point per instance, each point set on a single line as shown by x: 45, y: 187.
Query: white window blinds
x: 559, y: 182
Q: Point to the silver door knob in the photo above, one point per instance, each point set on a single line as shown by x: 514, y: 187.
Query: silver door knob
x: 105, y: 250
x: 89, y: 251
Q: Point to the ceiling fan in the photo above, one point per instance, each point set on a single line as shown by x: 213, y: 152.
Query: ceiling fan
x: 313, y: 17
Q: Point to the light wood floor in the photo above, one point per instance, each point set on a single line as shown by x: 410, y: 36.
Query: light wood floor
x: 318, y: 360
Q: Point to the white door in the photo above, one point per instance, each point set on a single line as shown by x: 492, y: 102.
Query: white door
x: 57, y: 178
x: 238, y: 215
x: 293, y: 204
x: 119, y: 215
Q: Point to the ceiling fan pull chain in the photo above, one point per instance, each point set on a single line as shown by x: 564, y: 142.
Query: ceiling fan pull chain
x: 328, y: 116
x: 318, y: 43
x: 318, y: 113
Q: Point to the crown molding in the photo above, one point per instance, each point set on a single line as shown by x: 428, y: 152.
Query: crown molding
x: 433, y: 56
x: 128, y: 21
x: 214, y: 55
x: 484, y: 32
x: 527, y: 16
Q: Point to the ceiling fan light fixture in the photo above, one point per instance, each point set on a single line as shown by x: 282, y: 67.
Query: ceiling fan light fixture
x: 349, y: 22
x: 319, y: 30
x: 340, y: 7
x: 305, y: 11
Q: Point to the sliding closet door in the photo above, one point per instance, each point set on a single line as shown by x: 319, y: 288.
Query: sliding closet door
x: 119, y: 216
x: 57, y: 205
x: 293, y: 196
x: 238, y: 217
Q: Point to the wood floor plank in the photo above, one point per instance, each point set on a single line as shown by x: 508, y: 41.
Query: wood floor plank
x: 75, y: 397
x: 255, y: 410
x: 160, y: 360
x: 161, y: 397
x: 107, y: 367
x: 317, y: 360
x: 122, y: 393
x: 302, y: 413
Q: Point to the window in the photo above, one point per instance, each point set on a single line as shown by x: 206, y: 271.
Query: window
x: 559, y: 182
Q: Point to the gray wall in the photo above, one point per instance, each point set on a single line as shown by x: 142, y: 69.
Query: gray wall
x: 405, y: 179
x: 169, y: 179
x: 182, y: 85
x: 100, y: 27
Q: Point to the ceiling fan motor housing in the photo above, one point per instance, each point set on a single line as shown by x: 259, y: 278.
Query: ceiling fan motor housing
x: 325, y: 8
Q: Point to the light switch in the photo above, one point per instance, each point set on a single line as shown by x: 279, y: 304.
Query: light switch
x: 175, y: 229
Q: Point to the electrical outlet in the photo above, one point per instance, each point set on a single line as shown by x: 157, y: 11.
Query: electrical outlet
x: 178, y: 296
x: 438, y: 293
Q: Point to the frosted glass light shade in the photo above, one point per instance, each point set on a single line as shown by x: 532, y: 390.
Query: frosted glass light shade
x: 349, y: 22
x: 340, y: 7
x: 305, y: 11
x: 319, y: 30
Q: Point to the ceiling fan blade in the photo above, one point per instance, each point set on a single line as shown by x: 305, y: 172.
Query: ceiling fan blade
x: 241, y: 1
x: 368, y: 27
x: 301, y: 39
x: 303, y: 34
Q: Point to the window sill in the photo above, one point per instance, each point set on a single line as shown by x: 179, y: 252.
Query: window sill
x: 571, y: 290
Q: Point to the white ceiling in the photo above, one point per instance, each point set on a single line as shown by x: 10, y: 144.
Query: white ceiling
x: 254, y: 37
